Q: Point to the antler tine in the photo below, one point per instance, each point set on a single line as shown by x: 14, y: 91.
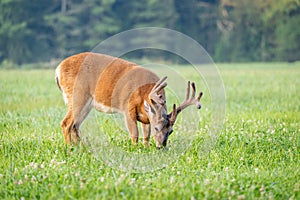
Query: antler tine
x: 189, y: 100
x: 153, y: 95
x: 194, y: 90
x: 198, y: 99
x: 188, y: 91
x: 173, y: 115
x: 160, y: 87
x: 158, y: 83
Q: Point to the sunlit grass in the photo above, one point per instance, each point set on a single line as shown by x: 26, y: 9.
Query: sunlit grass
x: 255, y: 156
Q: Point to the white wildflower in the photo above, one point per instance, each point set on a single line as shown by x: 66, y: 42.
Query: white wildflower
x: 33, y: 179
x: 81, y: 185
x: 232, y: 192
x: 132, y: 181
x: 206, y: 181
x: 226, y: 169
x: 172, y: 179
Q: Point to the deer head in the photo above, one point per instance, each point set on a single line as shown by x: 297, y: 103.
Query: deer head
x: 161, y: 122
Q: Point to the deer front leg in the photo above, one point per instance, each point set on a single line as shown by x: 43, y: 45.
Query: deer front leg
x: 146, y: 131
x: 132, y: 128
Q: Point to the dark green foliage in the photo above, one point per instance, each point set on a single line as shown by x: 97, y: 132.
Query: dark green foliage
x: 24, y: 34
x: 287, y: 36
x: 231, y: 31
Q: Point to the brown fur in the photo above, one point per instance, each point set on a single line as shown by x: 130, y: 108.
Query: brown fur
x: 90, y: 79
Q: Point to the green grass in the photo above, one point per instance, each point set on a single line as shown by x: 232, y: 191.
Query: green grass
x: 256, y: 155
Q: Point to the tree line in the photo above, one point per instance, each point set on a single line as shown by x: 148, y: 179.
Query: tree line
x: 230, y: 30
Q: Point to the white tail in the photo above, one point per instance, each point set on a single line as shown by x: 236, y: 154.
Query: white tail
x: 109, y: 84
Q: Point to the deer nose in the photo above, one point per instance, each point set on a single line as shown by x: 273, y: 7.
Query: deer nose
x: 198, y: 106
x: 163, y: 148
x: 158, y: 145
x: 162, y: 145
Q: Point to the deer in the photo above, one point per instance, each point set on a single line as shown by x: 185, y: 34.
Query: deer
x: 113, y: 85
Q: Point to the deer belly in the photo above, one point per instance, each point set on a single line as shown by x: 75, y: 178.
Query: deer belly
x: 106, y: 109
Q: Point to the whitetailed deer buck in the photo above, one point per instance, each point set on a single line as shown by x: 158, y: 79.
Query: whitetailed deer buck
x: 109, y: 84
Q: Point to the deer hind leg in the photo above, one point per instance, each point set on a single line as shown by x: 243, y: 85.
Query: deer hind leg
x: 80, y: 113
x: 66, y: 123
x: 71, y: 133
x: 77, y: 112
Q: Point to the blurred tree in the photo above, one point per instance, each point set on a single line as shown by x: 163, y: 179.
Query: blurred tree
x: 81, y: 24
x: 198, y: 19
x: 287, y: 29
x: 24, y: 34
x: 260, y: 31
x: 242, y: 42
x: 146, y: 13
x: 230, y: 30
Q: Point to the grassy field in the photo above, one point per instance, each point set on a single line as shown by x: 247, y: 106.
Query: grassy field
x: 256, y: 155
